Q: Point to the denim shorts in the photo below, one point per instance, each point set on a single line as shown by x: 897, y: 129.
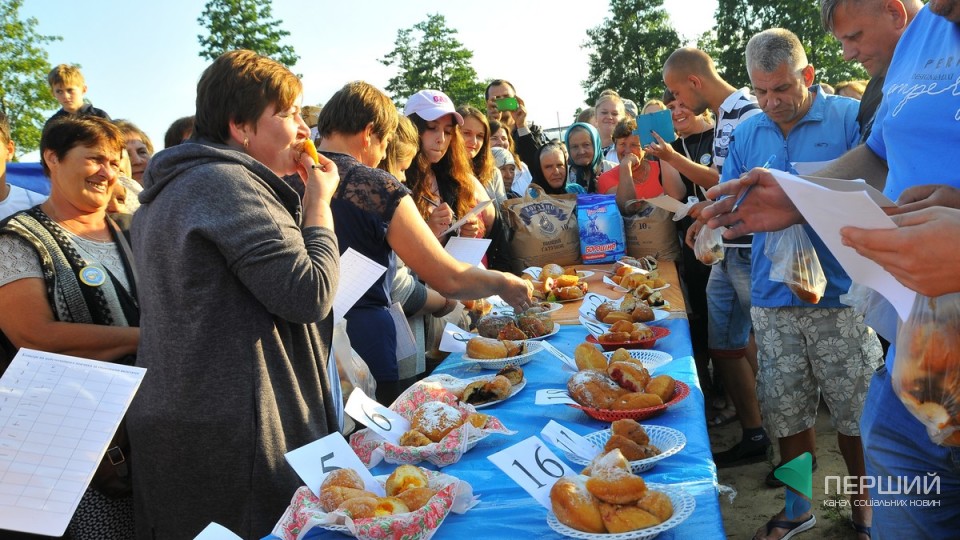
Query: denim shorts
x: 896, y: 446
x: 728, y: 302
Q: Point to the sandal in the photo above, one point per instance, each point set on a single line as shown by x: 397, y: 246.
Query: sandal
x: 724, y: 417
x: 793, y: 528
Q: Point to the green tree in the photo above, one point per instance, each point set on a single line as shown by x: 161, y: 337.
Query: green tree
x: 428, y: 55
x: 738, y: 20
x: 243, y: 24
x: 627, y: 50
x: 24, y: 94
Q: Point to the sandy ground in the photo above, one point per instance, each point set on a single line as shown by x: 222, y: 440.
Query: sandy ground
x: 755, y: 503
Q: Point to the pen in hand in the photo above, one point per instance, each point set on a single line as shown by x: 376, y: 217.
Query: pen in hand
x: 746, y: 192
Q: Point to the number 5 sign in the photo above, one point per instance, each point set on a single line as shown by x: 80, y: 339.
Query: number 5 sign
x: 533, y: 466
x: 316, y: 460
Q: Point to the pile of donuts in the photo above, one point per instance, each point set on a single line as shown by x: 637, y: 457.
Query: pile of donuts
x: 623, y: 384
x: 495, y: 388
x: 407, y: 490
x: 629, y: 437
x: 608, y: 498
x: 628, y: 310
x: 481, y: 348
x: 434, y: 420
x: 630, y: 277
x: 529, y: 324
x: 557, y: 283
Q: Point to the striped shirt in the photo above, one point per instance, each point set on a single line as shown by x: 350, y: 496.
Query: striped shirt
x: 738, y: 106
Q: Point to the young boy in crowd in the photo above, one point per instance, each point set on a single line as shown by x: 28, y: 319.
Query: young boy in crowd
x: 68, y: 87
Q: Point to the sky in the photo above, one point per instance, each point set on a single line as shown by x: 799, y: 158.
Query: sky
x: 141, y: 59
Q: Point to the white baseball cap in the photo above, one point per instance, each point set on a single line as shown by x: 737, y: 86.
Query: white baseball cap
x: 430, y: 105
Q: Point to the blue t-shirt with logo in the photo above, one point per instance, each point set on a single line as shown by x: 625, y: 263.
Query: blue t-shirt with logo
x: 826, y: 132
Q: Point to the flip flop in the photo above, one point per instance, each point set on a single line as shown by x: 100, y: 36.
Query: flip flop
x: 724, y: 417
x: 793, y: 528
x: 862, y: 529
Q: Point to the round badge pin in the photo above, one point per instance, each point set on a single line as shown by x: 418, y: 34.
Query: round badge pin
x: 705, y: 159
x: 94, y: 276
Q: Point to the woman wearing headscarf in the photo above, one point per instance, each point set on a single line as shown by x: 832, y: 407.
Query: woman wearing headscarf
x: 238, y: 275
x: 586, y: 157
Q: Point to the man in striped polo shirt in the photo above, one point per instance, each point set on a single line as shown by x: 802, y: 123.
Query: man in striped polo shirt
x: 692, y: 77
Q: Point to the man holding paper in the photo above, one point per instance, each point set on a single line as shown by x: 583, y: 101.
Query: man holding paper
x: 803, y: 348
x: 915, y: 122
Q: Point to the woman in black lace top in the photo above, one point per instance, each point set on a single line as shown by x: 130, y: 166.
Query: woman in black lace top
x: 375, y: 215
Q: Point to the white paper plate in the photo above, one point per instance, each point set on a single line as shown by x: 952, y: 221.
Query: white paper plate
x: 683, y: 506
x: 533, y: 347
x: 535, y: 272
x: 668, y: 440
x: 584, y: 274
x: 652, y: 359
x: 588, y: 310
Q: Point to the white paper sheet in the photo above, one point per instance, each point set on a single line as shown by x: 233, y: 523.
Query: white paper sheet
x: 57, y: 415
x: 357, y: 274
x: 215, y: 531
x: 454, y: 339
x: 468, y: 250
x: 457, y: 224
x: 827, y: 211
x: 406, y: 341
x: 666, y: 202
x: 810, y: 167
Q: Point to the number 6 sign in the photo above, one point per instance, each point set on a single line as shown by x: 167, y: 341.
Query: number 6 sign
x: 386, y: 423
x: 533, y: 466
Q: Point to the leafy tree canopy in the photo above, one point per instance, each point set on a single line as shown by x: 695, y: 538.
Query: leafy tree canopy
x: 243, y: 24
x: 24, y: 94
x: 428, y: 55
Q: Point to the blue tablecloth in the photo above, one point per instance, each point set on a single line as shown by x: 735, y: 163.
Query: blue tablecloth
x: 506, y: 511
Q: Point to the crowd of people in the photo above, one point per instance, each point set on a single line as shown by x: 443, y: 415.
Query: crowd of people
x: 214, y: 263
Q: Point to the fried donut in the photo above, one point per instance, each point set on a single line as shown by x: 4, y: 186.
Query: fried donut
x: 414, y: 438
x: 641, y: 332
x: 631, y: 450
x: 310, y: 149
x: 485, y: 391
x: 477, y: 420
x: 636, y: 400
x: 511, y: 331
x: 604, y: 309
x: 589, y: 357
x: 614, y: 337
x: 574, y: 506
x: 619, y: 519
x: 613, y: 458
x: 630, y: 429
x: 629, y: 375
x: 513, y: 373
x: 658, y: 504
x: 473, y: 393
x: 344, y: 478
x: 617, y: 316
x: 359, y: 507
x: 436, y: 419
x: 482, y: 348
x: 403, y: 478
x: 592, y: 388
x: 622, y: 326
x: 622, y: 355
x: 389, y: 506
x: 642, y: 313
x: 663, y: 386
x: 616, y: 486
x: 416, y: 498
x: 332, y: 497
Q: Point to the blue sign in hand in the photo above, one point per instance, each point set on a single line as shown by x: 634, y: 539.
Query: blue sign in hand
x: 661, y: 122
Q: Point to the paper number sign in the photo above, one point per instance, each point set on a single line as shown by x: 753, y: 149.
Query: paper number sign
x: 553, y: 396
x: 568, y: 440
x: 381, y: 420
x: 313, y: 462
x: 533, y: 467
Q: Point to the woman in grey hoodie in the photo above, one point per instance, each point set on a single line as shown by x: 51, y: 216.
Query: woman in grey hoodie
x: 237, y: 279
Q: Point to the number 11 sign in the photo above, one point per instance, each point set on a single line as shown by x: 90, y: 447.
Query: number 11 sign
x: 533, y: 466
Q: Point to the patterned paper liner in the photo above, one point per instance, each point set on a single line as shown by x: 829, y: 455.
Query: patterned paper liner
x: 372, y: 448
x: 305, y: 514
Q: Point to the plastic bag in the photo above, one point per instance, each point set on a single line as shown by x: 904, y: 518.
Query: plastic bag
x: 794, y: 262
x: 708, y: 247
x: 877, y: 312
x: 353, y: 371
x: 926, y: 370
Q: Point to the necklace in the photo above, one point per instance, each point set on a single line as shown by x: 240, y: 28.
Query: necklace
x: 63, y: 224
x: 698, y: 154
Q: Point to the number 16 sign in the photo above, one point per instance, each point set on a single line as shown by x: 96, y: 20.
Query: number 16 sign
x: 533, y: 466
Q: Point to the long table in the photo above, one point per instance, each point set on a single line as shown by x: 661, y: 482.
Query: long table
x: 506, y: 511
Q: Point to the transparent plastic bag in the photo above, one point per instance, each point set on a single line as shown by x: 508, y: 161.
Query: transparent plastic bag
x: 708, y: 247
x: 926, y: 370
x: 878, y: 313
x: 794, y: 262
x: 353, y: 371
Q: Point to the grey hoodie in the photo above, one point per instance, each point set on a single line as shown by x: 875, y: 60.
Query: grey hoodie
x: 236, y: 323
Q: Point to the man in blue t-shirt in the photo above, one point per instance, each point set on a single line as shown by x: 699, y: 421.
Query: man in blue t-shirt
x: 803, y: 348
x: 915, y: 129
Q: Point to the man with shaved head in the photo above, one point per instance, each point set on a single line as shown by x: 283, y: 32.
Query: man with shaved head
x: 692, y: 78
x: 869, y: 31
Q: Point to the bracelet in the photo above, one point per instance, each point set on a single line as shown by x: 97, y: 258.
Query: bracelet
x: 446, y: 309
